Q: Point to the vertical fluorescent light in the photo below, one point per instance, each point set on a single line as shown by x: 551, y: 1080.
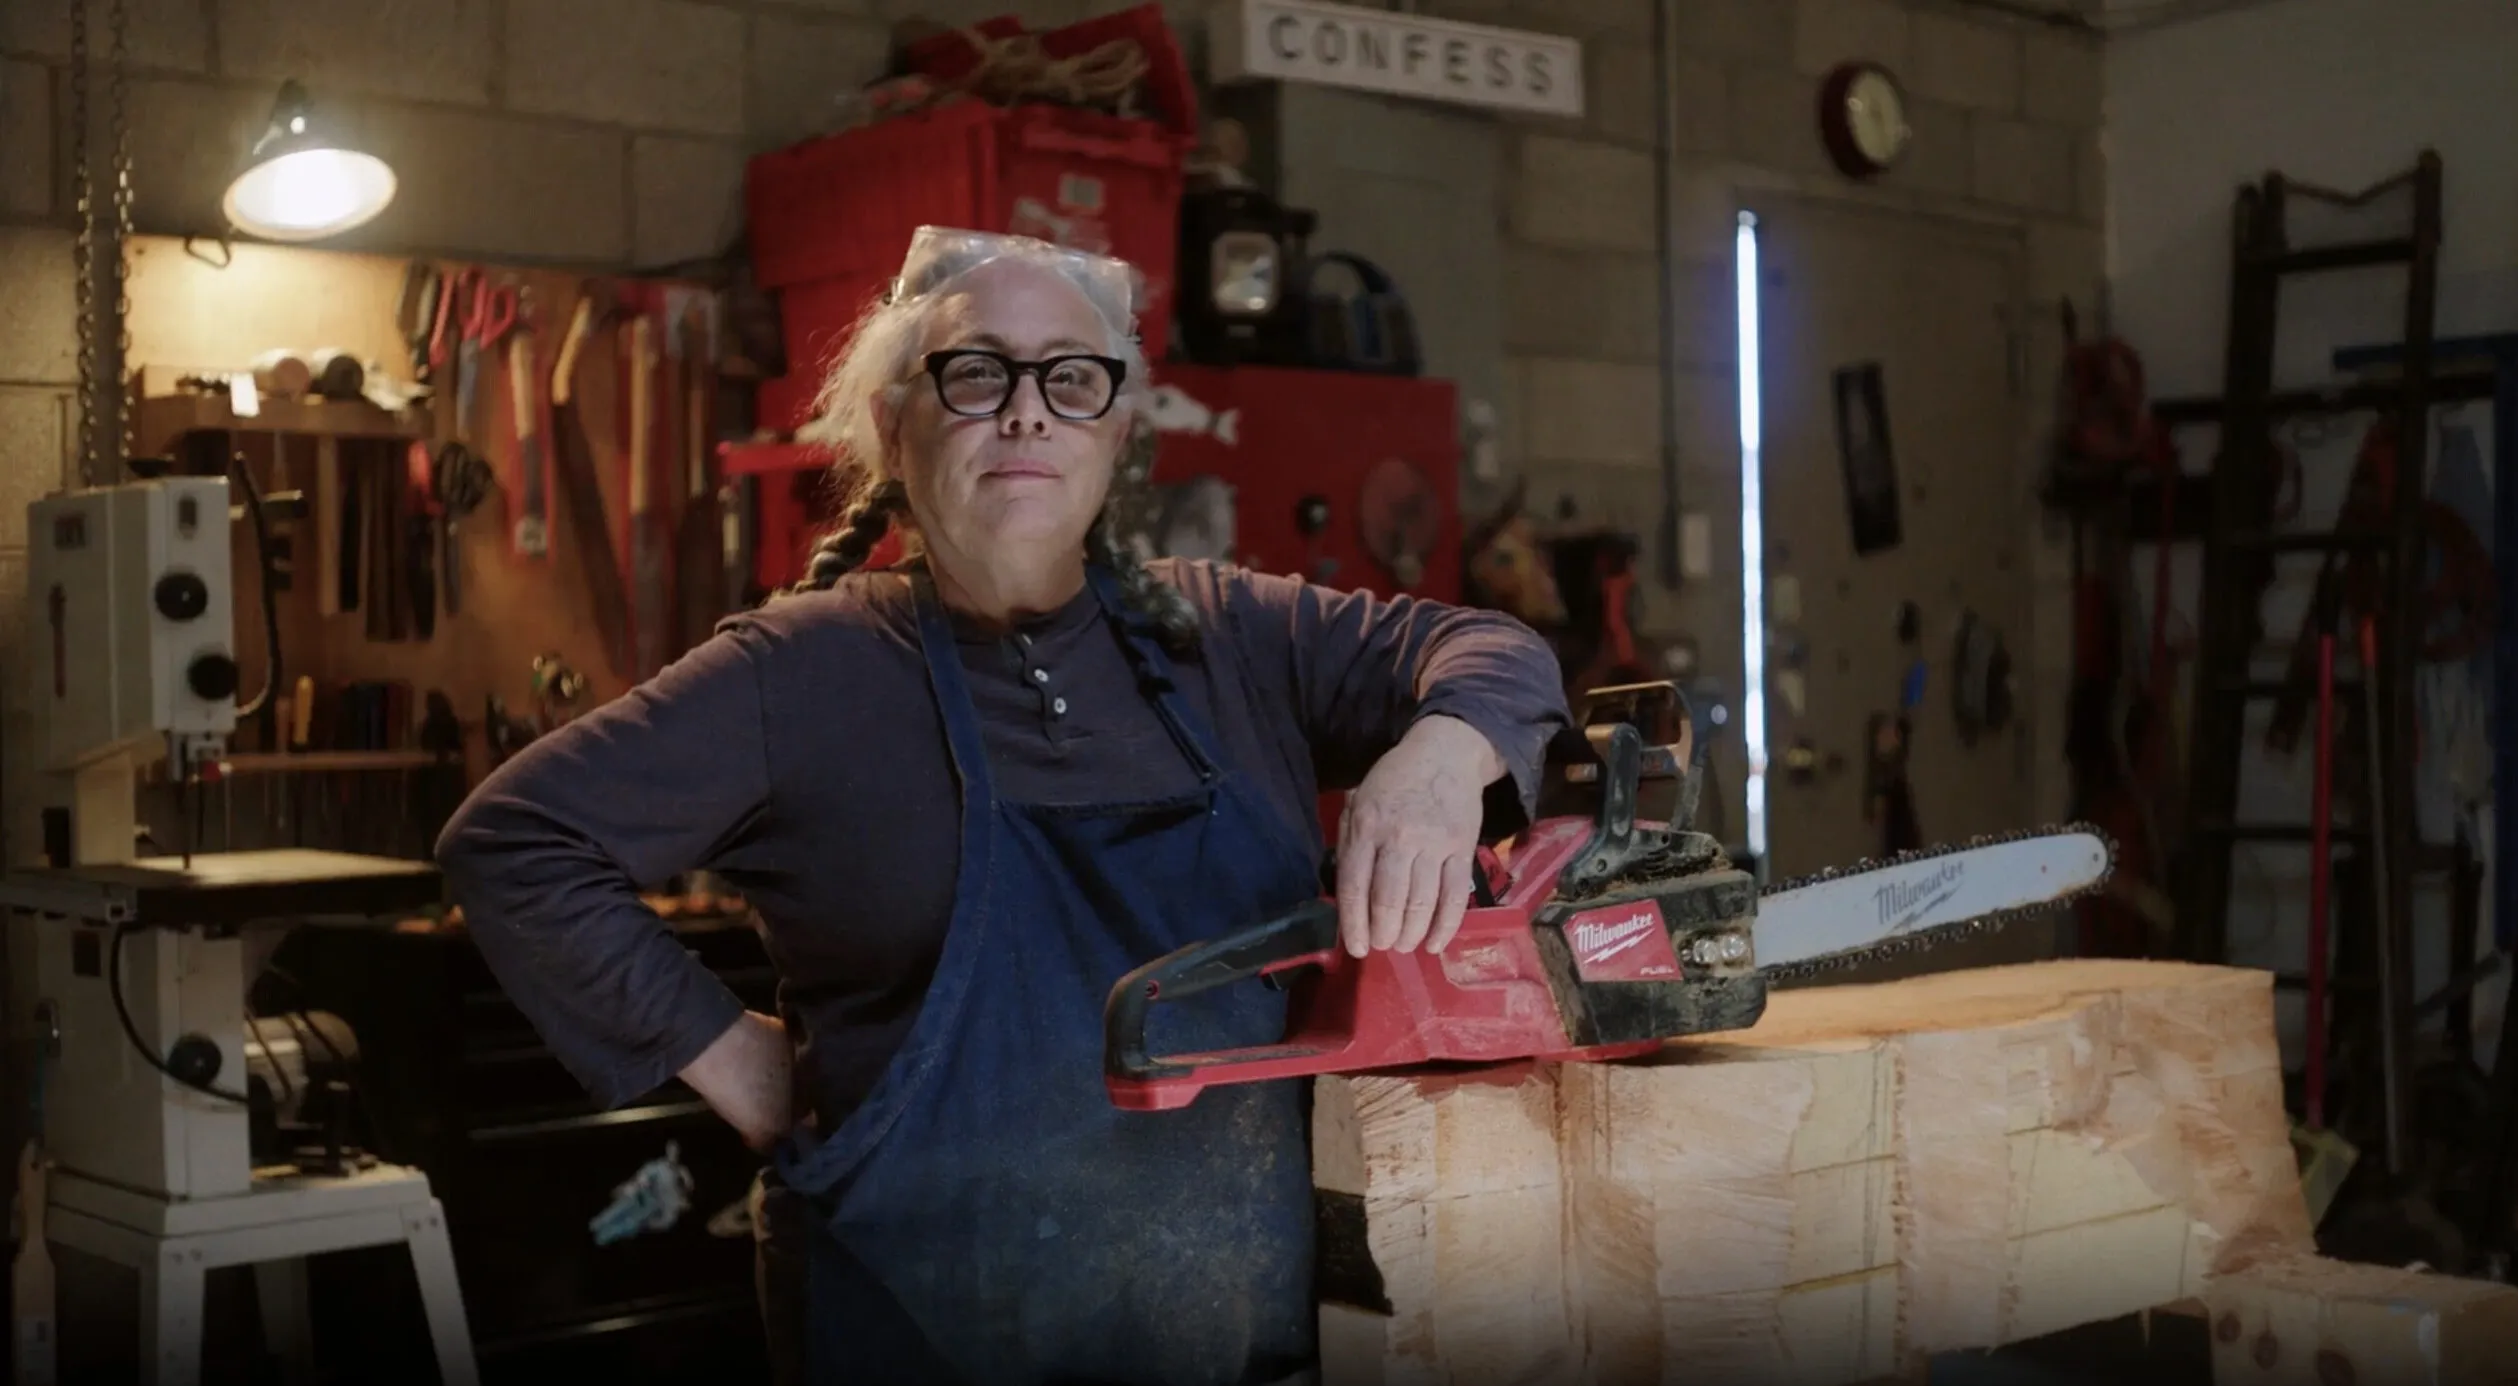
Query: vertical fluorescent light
x: 1752, y: 536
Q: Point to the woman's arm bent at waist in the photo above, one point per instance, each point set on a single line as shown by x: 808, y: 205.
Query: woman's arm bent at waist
x: 550, y: 853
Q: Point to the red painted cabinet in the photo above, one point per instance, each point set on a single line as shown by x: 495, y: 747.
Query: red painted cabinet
x: 1331, y: 474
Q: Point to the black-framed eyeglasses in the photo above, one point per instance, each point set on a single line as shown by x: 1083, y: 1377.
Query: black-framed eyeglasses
x: 976, y: 384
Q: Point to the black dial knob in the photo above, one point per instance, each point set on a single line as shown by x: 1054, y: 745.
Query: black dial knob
x: 211, y: 677
x: 182, y: 596
x: 195, y: 1060
x: 1311, y: 515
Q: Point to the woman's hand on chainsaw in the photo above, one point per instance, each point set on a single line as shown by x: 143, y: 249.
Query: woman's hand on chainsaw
x: 1409, y: 837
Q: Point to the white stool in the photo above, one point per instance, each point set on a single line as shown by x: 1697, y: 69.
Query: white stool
x: 174, y: 1246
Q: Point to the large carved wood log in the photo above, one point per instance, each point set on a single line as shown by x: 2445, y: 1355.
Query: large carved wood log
x: 1872, y: 1174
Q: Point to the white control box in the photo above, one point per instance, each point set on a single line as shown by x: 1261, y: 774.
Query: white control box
x: 130, y: 616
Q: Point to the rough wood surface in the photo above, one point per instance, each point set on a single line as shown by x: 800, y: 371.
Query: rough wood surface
x: 1872, y: 1174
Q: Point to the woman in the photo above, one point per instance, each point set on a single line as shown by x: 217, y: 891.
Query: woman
x: 966, y: 796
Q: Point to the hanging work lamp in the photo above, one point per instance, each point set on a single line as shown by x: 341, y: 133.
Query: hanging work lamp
x: 300, y: 184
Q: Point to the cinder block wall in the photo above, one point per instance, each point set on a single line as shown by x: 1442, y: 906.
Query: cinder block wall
x: 611, y: 133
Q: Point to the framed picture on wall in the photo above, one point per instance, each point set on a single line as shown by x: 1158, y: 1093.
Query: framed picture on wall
x: 1870, y: 465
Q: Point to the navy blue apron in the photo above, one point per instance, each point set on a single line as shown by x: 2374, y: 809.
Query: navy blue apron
x: 986, y: 1217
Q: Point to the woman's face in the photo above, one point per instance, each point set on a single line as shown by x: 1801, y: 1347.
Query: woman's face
x: 984, y: 478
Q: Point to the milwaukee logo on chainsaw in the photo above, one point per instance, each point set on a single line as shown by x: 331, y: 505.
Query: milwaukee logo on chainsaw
x: 1902, y: 903
x: 1622, y: 943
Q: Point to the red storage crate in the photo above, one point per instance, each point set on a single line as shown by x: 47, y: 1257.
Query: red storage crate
x: 795, y: 502
x: 785, y: 403
x: 815, y: 320
x: 839, y: 210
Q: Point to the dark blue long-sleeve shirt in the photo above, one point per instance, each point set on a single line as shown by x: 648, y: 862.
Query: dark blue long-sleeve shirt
x: 799, y: 754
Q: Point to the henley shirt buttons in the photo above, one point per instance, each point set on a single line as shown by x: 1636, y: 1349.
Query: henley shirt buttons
x: 1058, y: 707
x: 1040, y: 676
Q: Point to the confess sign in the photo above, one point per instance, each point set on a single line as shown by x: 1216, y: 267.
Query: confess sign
x: 1399, y: 55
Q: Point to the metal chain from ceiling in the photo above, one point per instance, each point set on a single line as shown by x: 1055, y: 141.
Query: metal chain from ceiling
x: 82, y: 249
x: 98, y: 378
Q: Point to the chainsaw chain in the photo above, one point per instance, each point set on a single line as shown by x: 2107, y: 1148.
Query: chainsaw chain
x: 1948, y: 933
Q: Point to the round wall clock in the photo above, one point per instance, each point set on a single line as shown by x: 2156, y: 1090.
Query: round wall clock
x: 1862, y: 119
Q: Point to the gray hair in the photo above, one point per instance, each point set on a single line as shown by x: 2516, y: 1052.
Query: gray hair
x: 879, y: 361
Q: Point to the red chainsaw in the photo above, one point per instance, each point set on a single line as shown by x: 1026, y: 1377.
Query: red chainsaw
x: 1597, y: 934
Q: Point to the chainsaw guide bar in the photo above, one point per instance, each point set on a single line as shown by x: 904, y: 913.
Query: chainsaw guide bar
x: 2087, y: 871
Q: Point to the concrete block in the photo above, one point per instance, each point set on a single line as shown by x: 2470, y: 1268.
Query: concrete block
x: 1965, y: 63
x: 2089, y: 177
x: 1704, y: 214
x: 2064, y: 82
x: 1828, y: 32
x: 1708, y: 336
x: 1774, y: 120
x: 497, y: 186
x: 1581, y: 303
x: 26, y: 139
x: 1702, y: 93
x: 686, y: 198
x: 1584, y: 19
x: 1734, y: 31
x: 1601, y: 412
x: 439, y: 52
x: 1502, y: 13
x: 1580, y: 495
x: 2022, y: 165
x: 1034, y: 13
x: 1560, y: 492
x: 187, y: 134
x: 159, y: 35
x: 800, y: 68
x: 42, y: 340
x: 35, y: 439
x: 650, y: 64
x: 1621, y: 93
x: 1941, y: 157
x: 1621, y: 100
x: 2065, y: 261
x: 1581, y: 194
x: 472, y: 183
x: 1708, y: 400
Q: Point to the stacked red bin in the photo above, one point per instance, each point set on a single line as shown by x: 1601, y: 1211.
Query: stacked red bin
x: 829, y: 219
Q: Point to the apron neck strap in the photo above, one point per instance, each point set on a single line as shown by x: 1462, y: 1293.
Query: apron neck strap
x: 1154, y: 670
x: 1155, y: 673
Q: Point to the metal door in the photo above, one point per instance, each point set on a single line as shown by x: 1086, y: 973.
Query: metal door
x: 1930, y: 308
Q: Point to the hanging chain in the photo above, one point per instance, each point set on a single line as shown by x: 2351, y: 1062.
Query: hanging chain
x: 82, y: 250
x: 123, y: 388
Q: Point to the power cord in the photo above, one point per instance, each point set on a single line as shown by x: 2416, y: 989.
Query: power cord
x: 131, y: 1030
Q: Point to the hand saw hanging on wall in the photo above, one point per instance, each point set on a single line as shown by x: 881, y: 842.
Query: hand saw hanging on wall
x: 1605, y: 937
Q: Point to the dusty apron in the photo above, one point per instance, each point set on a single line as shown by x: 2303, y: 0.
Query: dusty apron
x: 986, y: 1216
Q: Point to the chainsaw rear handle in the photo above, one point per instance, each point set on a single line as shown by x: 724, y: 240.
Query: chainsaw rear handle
x: 1304, y: 935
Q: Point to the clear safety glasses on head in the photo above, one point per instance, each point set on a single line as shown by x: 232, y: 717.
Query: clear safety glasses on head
x: 978, y: 383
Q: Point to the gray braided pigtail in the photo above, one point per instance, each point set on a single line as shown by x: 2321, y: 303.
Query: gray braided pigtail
x: 1175, y: 621
x: 845, y: 549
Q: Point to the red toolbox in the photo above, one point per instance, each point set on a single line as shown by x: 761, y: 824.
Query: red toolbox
x: 830, y: 218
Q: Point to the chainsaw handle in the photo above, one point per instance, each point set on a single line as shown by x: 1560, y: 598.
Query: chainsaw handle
x: 1303, y: 935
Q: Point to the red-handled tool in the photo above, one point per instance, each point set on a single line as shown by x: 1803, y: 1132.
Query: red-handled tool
x: 1586, y: 898
x: 1606, y: 936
